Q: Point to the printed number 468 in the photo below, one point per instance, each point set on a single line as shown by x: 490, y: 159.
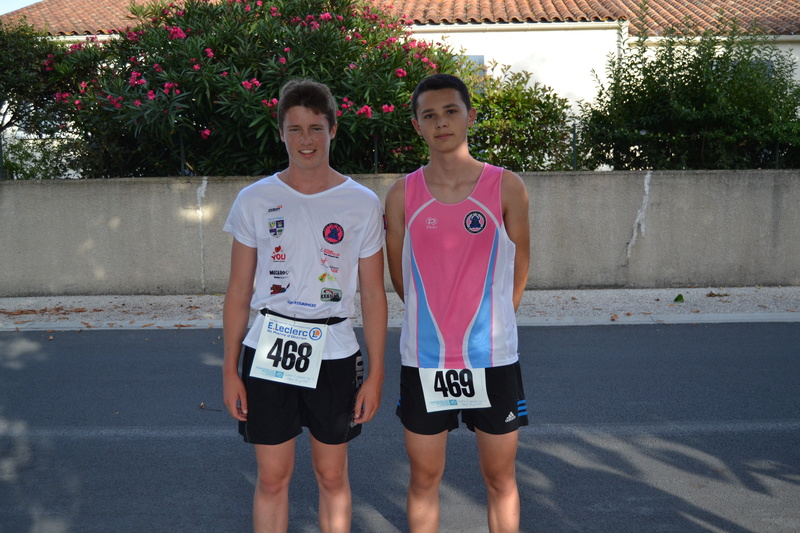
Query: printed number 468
x: 290, y: 355
x: 454, y: 383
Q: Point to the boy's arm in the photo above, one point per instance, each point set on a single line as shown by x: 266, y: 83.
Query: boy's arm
x: 235, y: 318
x: 517, y: 224
x: 395, y: 233
x: 374, y: 314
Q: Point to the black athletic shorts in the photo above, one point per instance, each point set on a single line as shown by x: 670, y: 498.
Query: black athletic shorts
x: 277, y: 412
x: 507, y: 413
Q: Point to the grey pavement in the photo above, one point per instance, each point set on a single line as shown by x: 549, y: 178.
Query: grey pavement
x: 538, y: 308
x: 690, y: 428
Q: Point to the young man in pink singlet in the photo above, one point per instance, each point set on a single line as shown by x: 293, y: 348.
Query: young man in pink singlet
x: 458, y: 247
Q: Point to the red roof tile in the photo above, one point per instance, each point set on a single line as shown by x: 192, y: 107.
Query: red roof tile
x: 76, y: 17
x: 778, y: 17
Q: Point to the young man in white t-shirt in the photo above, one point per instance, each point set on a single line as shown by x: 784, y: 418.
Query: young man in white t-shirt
x: 307, y: 237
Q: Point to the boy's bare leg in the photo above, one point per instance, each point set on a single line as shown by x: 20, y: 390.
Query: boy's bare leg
x: 498, y: 454
x: 271, y: 500
x: 335, y: 499
x: 426, y: 454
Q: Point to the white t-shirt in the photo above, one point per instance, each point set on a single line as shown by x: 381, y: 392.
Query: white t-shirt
x: 308, y: 248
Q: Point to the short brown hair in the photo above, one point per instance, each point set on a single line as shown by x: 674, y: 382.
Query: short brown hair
x: 307, y: 93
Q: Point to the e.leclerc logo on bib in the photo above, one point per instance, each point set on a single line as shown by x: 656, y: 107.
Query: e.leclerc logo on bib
x: 333, y: 233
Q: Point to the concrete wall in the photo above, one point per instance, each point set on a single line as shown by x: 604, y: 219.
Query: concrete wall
x: 609, y: 229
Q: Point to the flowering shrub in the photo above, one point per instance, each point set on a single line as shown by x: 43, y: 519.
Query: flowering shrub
x: 193, y: 87
x: 26, y: 97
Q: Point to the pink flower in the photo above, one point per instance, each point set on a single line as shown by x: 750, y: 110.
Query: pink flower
x: 251, y: 83
x: 353, y: 66
x: 224, y: 74
x: 151, y: 95
x: 196, y: 67
x: 158, y: 68
x: 287, y: 49
x: 325, y: 17
x: 137, y: 103
x: 388, y: 108
x: 136, y: 79
x: 282, y: 61
x: 209, y: 52
x: 176, y: 33
x: 365, y: 111
x: 205, y: 133
x: 401, y: 73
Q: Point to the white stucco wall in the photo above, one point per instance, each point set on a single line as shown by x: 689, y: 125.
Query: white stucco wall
x: 792, y: 44
x: 559, y: 55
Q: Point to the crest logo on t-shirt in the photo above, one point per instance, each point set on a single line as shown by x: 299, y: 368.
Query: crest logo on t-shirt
x: 333, y: 233
x: 475, y: 222
x: 276, y: 227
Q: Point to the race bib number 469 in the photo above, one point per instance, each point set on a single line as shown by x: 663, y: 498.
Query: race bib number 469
x: 454, y: 388
x: 289, y: 352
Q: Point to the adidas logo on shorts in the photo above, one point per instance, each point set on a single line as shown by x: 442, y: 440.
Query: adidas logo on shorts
x: 510, y: 417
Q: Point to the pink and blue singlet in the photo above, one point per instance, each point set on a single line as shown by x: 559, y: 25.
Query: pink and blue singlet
x: 458, y: 276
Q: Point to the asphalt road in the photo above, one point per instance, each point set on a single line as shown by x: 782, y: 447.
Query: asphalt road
x: 640, y: 428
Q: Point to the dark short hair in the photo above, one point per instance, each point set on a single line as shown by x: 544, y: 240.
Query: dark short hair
x: 307, y: 93
x: 437, y: 82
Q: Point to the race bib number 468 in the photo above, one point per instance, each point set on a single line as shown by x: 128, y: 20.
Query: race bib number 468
x: 289, y: 352
x: 454, y: 388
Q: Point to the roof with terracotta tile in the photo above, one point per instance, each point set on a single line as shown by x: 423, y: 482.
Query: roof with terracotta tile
x: 777, y: 17
x: 76, y: 17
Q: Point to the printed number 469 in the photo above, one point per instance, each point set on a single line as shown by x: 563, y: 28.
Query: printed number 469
x: 290, y: 355
x: 454, y: 383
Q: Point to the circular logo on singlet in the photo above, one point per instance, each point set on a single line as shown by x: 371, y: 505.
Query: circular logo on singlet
x: 315, y: 334
x: 475, y: 222
x: 333, y: 233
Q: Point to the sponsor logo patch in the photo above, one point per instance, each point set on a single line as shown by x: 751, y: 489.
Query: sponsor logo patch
x: 326, y: 276
x: 277, y: 289
x: 475, y: 222
x: 276, y: 227
x: 329, y: 253
x: 333, y: 233
x: 330, y: 295
x: 278, y: 255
